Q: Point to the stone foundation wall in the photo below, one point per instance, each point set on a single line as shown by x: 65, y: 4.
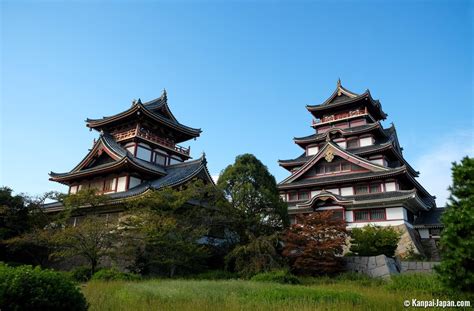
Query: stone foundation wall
x: 375, y: 266
x: 382, y: 266
x: 417, y: 266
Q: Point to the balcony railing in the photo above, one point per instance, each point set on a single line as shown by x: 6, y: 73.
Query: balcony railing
x: 341, y: 116
x: 136, y: 132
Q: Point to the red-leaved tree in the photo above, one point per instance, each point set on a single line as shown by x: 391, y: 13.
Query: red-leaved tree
x: 314, y: 244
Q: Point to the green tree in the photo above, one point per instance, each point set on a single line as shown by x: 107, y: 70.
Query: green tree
x: 252, y: 191
x: 374, y: 240
x: 175, y: 231
x: 92, y: 239
x: 260, y: 254
x: 457, y: 238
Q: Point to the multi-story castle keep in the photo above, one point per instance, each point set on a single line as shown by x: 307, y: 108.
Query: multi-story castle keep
x: 355, y: 167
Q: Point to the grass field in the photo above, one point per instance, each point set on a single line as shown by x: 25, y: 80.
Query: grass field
x: 215, y: 295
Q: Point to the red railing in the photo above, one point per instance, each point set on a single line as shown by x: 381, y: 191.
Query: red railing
x: 135, y: 132
x: 341, y: 116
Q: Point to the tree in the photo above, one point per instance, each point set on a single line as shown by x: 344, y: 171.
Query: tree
x: 457, y: 238
x: 175, y: 231
x: 260, y: 254
x: 22, y: 220
x: 92, y: 239
x: 252, y: 192
x: 374, y: 240
x: 314, y: 245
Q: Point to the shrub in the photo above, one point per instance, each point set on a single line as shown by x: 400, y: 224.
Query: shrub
x: 81, y: 274
x: 276, y: 276
x: 115, y: 275
x: 374, y: 240
x: 28, y: 288
x: 215, y: 275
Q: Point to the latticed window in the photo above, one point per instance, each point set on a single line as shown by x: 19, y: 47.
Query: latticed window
x: 353, y: 143
x: 160, y: 159
x: 361, y: 215
x: 366, y: 215
x: 362, y: 189
x: 374, y: 188
x: 304, y: 195
x: 292, y: 196
x: 377, y: 214
x: 98, y: 185
x: 109, y: 185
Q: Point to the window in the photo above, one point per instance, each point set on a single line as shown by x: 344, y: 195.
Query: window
x: 377, y: 214
x: 366, y: 215
x: 337, y: 214
x: 292, y: 196
x: 97, y: 184
x: 375, y: 188
x: 361, y: 215
x: 353, y: 143
x: 363, y: 189
x: 160, y: 159
x: 109, y: 185
x: 345, y: 167
x: 143, y: 153
x: 303, y: 196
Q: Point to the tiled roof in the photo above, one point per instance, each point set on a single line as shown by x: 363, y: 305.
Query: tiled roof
x: 151, y: 108
x: 431, y: 218
x: 350, y: 177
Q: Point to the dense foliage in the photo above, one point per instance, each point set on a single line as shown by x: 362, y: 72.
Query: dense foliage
x: 374, y: 240
x: 276, y: 276
x: 115, y: 275
x: 252, y: 192
x: 178, y: 231
x: 314, y: 244
x: 258, y: 255
x: 27, y: 288
x: 457, y: 238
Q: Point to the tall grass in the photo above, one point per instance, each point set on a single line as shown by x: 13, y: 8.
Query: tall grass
x: 346, y: 292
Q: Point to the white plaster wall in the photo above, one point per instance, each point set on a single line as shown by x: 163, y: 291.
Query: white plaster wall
x: 378, y: 161
x: 376, y: 223
x: 133, y: 182
x: 395, y: 213
x: 335, y: 190
x: 143, y: 153
x: 315, y: 193
x: 424, y: 233
x: 366, y: 141
x: 121, y: 183
x: 131, y: 149
x: 349, y: 216
x: 347, y: 191
x: 73, y: 189
x: 342, y: 144
x: 312, y: 150
x: 174, y: 161
x: 390, y: 186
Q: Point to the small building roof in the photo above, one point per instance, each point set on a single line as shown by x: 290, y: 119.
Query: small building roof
x: 343, y: 97
x: 156, y: 110
x: 430, y: 219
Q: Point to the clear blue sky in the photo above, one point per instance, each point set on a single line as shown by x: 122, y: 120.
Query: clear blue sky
x: 241, y: 71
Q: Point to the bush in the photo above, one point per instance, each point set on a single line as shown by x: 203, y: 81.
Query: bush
x: 374, y: 240
x: 277, y: 276
x: 215, y: 275
x: 28, y: 288
x: 81, y: 274
x: 115, y: 275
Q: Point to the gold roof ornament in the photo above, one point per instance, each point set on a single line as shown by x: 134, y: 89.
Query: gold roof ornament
x: 339, y: 92
x: 329, y: 156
